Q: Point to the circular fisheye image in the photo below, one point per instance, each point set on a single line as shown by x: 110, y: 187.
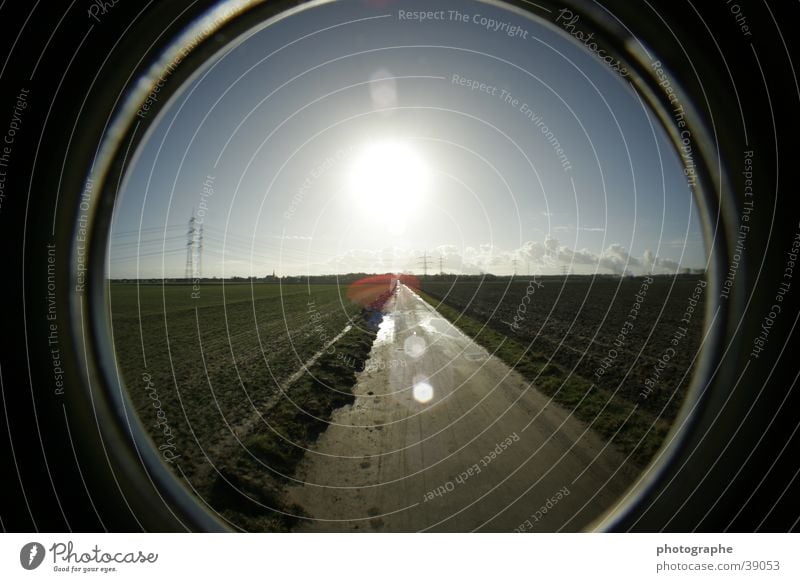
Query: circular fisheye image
x: 393, y: 267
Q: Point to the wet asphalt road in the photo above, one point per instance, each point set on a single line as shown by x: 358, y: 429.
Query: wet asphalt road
x: 445, y: 437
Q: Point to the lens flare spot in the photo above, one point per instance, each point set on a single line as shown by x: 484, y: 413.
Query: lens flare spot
x: 383, y: 90
x: 423, y: 392
x: 415, y: 346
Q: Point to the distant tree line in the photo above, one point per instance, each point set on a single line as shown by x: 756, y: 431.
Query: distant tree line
x: 347, y: 278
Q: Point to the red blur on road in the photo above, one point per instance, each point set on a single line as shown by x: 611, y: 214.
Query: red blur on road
x: 373, y: 292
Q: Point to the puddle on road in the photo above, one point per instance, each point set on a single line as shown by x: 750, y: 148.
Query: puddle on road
x: 385, y: 331
x: 439, y: 325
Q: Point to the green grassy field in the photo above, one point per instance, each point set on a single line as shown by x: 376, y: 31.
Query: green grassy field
x: 218, y: 381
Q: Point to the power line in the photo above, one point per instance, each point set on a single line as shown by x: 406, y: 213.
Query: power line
x: 190, y: 249
x: 424, y: 258
x: 200, y: 252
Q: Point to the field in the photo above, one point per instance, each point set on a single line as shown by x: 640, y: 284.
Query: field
x: 233, y: 383
x: 217, y: 381
x: 618, y: 351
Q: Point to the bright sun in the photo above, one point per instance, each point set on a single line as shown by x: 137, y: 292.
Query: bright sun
x: 389, y: 180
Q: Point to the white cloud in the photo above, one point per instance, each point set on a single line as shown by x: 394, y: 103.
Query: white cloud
x: 617, y: 259
x: 551, y: 244
x: 546, y: 256
x: 292, y: 237
x: 570, y: 228
x: 653, y: 264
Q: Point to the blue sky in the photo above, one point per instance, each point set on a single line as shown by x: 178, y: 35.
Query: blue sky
x: 284, y: 120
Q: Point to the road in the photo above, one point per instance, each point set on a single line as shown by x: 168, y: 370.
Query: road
x: 443, y: 436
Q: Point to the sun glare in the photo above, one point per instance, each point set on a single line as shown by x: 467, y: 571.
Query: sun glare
x: 389, y: 180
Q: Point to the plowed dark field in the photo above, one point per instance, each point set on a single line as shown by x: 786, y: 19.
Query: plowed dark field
x: 635, y: 338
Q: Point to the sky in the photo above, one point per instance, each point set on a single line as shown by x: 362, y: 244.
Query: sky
x: 349, y: 137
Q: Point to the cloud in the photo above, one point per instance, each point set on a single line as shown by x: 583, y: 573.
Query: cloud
x: 545, y: 256
x: 532, y: 251
x: 374, y: 260
x: 617, y: 259
x: 668, y: 265
x: 570, y: 228
x: 551, y: 244
x: 648, y: 260
x: 682, y: 242
x: 292, y: 237
x: 486, y: 256
x: 653, y: 264
x: 447, y: 250
x: 584, y: 257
